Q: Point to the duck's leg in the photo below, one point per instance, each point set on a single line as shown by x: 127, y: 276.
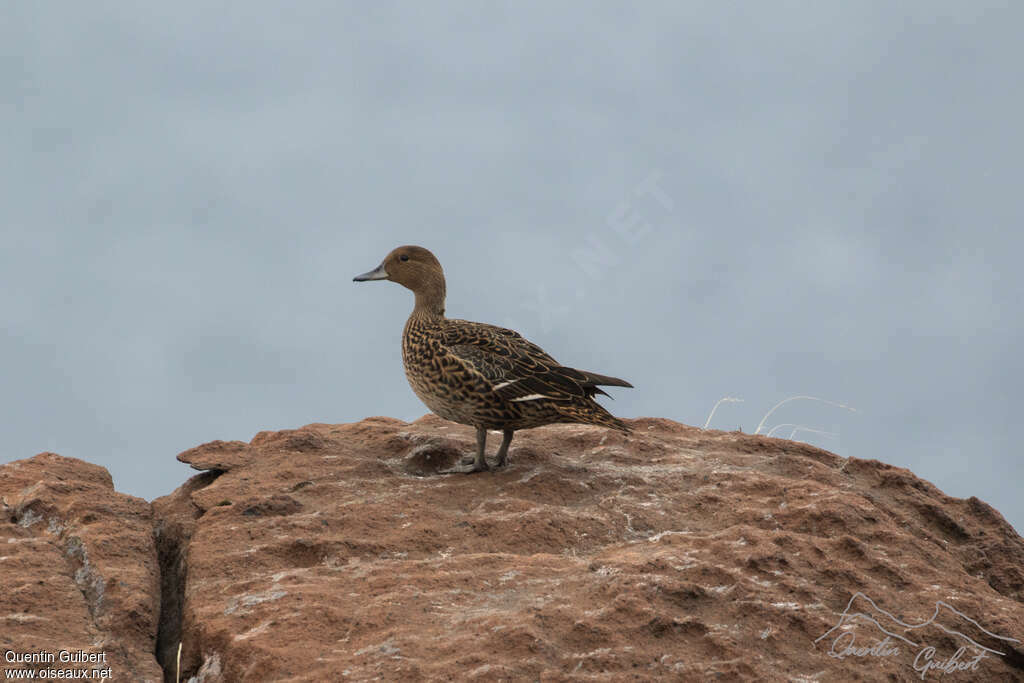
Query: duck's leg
x: 480, y: 463
x: 506, y: 439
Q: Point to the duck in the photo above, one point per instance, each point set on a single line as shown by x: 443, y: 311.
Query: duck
x: 484, y: 376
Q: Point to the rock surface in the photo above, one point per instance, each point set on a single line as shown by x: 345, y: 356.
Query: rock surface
x: 78, y: 570
x: 337, y: 552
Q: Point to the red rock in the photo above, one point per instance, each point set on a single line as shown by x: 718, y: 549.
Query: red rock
x: 78, y: 569
x: 336, y: 552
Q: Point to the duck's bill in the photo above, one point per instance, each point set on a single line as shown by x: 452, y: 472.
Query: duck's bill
x: 377, y: 273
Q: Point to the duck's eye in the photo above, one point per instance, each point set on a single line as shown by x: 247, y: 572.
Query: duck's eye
x: 403, y: 257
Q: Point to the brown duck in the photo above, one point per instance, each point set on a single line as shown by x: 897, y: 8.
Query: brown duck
x: 481, y: 375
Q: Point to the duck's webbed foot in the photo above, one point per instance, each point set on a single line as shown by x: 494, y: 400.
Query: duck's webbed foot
x: 469, y: 464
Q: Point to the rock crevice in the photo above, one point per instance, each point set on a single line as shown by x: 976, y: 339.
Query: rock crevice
x: 175, y: 518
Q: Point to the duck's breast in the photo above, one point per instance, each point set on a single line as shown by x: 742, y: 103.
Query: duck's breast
x: 438, y: 378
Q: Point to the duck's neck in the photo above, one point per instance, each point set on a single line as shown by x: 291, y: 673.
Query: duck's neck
x: 430, y: 300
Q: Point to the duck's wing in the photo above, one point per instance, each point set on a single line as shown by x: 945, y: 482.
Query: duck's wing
x: 516, y: 368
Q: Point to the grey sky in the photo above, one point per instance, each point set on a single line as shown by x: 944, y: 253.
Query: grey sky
x: 188, y: 192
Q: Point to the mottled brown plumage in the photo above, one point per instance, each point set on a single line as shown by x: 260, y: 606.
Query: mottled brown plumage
x: 481, y: 375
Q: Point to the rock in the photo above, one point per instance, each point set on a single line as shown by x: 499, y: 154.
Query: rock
x: 336, y: 552
x: 78, y: 570
x: 216, y: 455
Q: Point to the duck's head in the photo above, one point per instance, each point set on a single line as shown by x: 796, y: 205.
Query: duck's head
x: 415, y: 268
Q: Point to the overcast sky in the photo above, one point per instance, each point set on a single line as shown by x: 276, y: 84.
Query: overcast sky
x: 755, y: 200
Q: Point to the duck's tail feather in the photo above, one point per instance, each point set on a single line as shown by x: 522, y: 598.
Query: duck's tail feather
x: 605, y: 380
x: 590, y: 381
